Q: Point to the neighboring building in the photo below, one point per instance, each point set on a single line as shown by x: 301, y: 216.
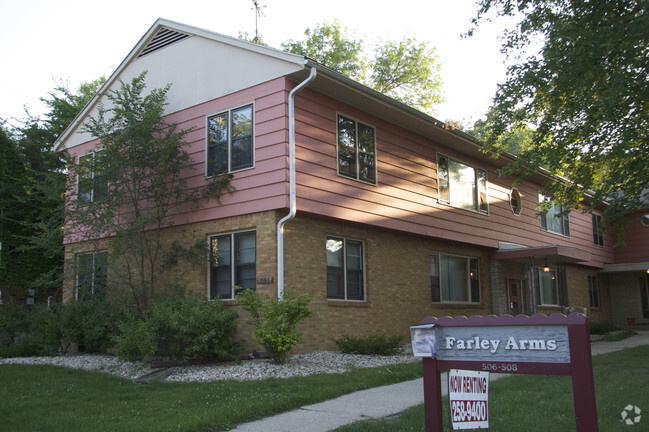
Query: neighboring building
x: 397, y: 217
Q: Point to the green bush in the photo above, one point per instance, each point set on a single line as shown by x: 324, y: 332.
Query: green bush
x: 14, y: 331
x: 377, y: 345
x: 274, y: 321
x: 180, y: 329
x: 601, y: 328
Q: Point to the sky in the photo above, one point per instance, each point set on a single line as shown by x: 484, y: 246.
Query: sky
x: 46, y: 42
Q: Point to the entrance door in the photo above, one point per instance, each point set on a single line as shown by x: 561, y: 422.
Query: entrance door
x: 514, y: 293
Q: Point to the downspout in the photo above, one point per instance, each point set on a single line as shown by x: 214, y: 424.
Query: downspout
x: 292, y: 190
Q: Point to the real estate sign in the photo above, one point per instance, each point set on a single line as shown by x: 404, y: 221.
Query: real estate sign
x: 468, y: 396
x: 538, y: 344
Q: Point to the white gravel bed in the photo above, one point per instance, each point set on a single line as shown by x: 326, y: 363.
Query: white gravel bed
x: 317, y: 362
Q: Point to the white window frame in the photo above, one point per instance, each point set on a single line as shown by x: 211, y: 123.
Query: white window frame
x: 553, y: 212
x: 472, y: 274
x: 345, y: 282
x: 594, y: 298
x: 553, y: 274
x: 95, y: 263
x: 480, y: 186
x: 357, y: 150
x: 93, y: 176
x: 515, y: 193
x: 229, y: 112
x: 598, y: 237
x: 232, y: 264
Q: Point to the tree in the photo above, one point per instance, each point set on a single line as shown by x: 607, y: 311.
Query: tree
x: 407, y: 71
x: 32, y: 186
x: 586, y: 94
x: 133, y: 184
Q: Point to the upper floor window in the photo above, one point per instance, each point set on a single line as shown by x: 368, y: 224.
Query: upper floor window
x: 515, y: 201
x: 461, y: 185
x: 553, y: 219
x: 356, y: 150
x: 92, y: 275
x: 454, y: 278
x: 91, y: 185
x: 232, y: 264
x: 598, y: 236
x: 230, y: 144
x: 344, y: 269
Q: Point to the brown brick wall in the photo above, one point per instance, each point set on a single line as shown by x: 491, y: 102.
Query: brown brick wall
x: 397, y: 277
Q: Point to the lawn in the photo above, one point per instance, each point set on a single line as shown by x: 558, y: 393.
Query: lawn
x: 539, y: 403
x: 51, y: 398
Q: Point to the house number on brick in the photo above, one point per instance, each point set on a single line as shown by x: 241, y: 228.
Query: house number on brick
x: 265, y: 280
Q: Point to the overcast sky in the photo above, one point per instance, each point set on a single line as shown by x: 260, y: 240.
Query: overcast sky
x: 44, y: 41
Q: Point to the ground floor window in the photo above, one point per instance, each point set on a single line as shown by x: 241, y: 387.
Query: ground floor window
x: 91, y: 275
x: 593, y: 291
x: 232, y: 264
x: 454, y: 278
x: 547, y: 283
x: 345, y: 279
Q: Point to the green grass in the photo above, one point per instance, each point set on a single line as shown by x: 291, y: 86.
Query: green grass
x: 50, y: 398
x: 539, y: 403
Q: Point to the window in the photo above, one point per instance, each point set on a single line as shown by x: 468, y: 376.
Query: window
x: 644, y: 219
x: 92, y: 275
x: 356, y: 150
x: 598, y: 236
x: 547, y: 284
x: 344, y: 269
x: 461, y: 185
x: 232, y: 263
x: 644, y: 296
x: 593, y: 291
x: 515, y: 201
x: 91, y: 185
x: 230, y: 141
x: 553, y: 219
x: 454, y: 278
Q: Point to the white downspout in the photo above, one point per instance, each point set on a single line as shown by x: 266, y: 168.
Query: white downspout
x: 292, y: 191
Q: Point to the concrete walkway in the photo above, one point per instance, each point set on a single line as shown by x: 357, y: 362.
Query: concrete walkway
x: 380, y: 402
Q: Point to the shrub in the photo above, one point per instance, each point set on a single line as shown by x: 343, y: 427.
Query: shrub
x: 274, y: 321
x: 601, y: 328
x: 377, y: 344
x: 14, y: 331
x: 180, y: 329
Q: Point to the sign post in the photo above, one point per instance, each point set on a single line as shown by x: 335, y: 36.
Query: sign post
x: 540, y: 344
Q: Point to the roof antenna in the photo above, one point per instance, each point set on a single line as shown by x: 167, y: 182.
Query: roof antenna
x: 258, y: 13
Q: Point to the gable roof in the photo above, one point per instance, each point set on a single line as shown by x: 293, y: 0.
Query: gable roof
x: 167, y: 42
x: 192, y: 60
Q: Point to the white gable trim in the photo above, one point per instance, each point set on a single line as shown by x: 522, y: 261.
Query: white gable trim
x: 293, y: 61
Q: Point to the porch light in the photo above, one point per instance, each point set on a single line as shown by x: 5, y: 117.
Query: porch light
x: 546, y: 268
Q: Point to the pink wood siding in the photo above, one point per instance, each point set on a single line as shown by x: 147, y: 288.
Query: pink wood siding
x: 263, y: 187
x: 637, y: 242
x: 405, y: 197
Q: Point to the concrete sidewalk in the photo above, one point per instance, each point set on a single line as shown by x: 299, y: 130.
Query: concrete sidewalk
x: 380, y: 402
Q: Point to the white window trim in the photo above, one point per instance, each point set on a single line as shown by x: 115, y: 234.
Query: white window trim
x: 468, y: 258
x: 91, y: 153
x: 477, y: 191
x: 363, y: 263
x: 232, y: 260
x: 376, y: 155
x: 543, y: 197
x: 254, y: 132
x: 520, y: 201
x: 94, y: 267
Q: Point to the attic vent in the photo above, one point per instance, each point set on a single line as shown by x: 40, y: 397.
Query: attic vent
x: 163, y: 38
